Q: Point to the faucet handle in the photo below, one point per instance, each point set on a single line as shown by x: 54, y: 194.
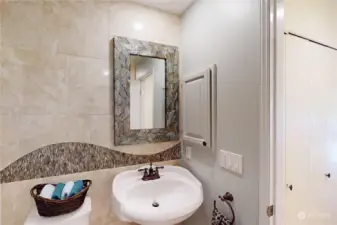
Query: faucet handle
x: 159, y: 167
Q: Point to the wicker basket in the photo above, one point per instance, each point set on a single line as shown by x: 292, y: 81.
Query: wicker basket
x: 50, y: 207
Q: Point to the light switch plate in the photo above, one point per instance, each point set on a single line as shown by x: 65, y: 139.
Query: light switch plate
x: 222, y: 159
x: 188, y: 152
x: 231, y: 161
x: 237, y: 163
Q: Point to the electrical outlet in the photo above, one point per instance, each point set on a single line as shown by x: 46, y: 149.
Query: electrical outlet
x: 188, y: 151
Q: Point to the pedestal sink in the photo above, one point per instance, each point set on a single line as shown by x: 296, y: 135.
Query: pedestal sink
x: 165, y: 201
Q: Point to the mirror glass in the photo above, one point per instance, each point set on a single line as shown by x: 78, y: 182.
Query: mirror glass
x: 147, y: 93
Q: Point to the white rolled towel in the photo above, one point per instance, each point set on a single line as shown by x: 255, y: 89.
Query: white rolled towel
x: 47, y: 191
x: 67, y: 189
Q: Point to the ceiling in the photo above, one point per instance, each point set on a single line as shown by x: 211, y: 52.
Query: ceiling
x: 177, y: 7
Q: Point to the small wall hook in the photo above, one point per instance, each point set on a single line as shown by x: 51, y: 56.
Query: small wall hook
x: 328, y: 175
x: 291, y: 187
x: 227, y: 197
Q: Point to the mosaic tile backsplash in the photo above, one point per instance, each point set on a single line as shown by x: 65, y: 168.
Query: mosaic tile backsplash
x: 74, y: 157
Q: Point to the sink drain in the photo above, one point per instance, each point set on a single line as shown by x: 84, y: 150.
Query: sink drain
x: 155, y: 204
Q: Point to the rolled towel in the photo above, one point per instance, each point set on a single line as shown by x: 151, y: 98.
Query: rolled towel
x: 67, y: 189
x: 47, y: 191
x: 78, y: 186
x: 57, y: 194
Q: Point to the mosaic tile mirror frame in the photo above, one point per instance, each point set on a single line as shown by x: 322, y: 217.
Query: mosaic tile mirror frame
x: 123, y: 49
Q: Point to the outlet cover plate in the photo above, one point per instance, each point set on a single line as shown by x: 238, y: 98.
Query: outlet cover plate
x: 188, y: 152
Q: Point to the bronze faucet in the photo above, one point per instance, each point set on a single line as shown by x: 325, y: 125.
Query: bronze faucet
x: 151, y: 173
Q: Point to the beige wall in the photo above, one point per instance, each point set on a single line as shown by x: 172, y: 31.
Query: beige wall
x: 314, y: 19
x: 55, y: 84
x: 54, y: 57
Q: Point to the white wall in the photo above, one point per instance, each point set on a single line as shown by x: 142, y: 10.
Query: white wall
x: 147, y: 99
x: 159, y: 94
x: 227, y: 33
x: 315, y: 19
x: 135, y: 104
x: 157, y: 26
x: 153, y: 108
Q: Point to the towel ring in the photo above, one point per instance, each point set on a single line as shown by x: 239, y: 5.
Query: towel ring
x: 228, y: 198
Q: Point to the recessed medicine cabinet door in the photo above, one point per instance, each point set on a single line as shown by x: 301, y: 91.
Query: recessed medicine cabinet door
x: 197, y: 108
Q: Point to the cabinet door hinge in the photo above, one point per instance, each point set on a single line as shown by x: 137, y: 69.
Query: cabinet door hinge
x: 270, y: 211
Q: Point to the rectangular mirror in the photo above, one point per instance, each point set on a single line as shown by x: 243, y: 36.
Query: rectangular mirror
x: 147, y: 93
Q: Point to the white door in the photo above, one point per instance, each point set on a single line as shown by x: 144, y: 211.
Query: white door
x: 310, y: 133
x: 147, y: 99
x: 197, y: 110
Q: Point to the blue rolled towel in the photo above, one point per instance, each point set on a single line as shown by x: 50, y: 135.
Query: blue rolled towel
x: 78, y: 186
x: 67, y: 189
x: 57, y: 194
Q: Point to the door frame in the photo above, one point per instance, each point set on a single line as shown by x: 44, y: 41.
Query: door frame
x: 272, y: 154
x: 279, y: 117
x: 265, y: 168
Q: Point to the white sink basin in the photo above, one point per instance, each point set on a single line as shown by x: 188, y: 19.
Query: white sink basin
x: 165, y: 201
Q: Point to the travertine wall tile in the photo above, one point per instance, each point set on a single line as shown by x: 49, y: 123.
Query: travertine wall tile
x: 101, y: 131
x: 9, y: 129
x: 55, y: 68
x: 36, y: 131
x: 146, y: 149
x: 55, y: 85
x: 37, y: 57
x: 89, y: 86
x: 143, y: 23
x: 77, y: 128
x: 22, y: 23
x: 44, y: 91
x: 82, y: 28
x: 12, y: 80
